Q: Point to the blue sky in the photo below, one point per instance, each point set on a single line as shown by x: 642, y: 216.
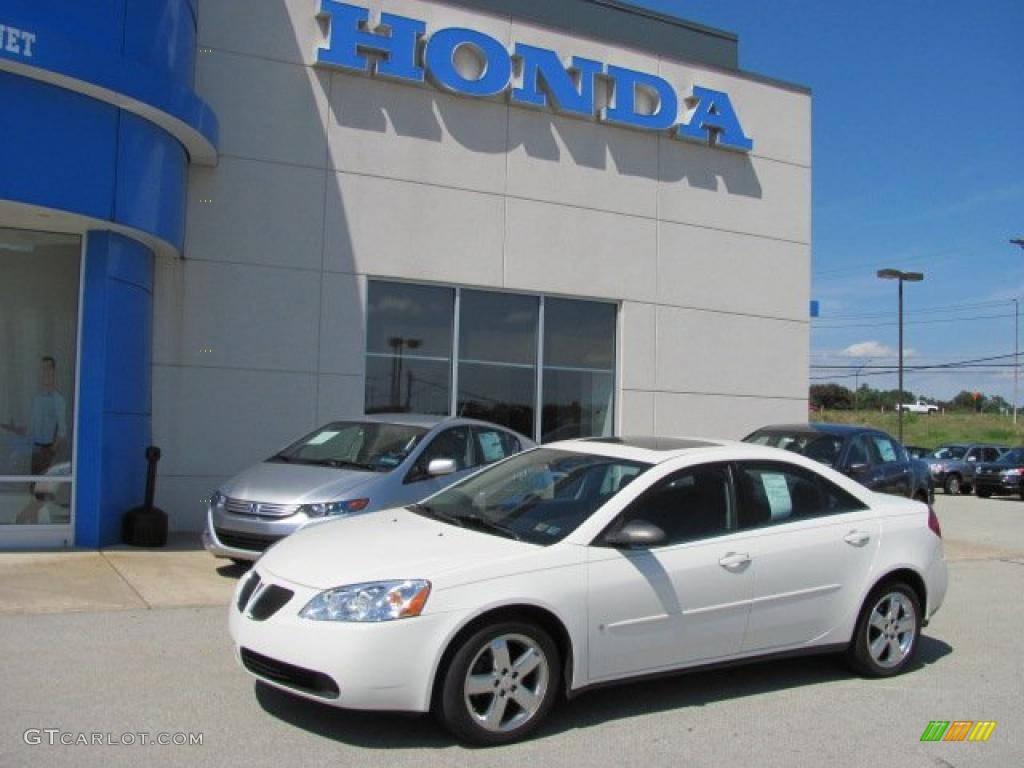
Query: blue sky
x: 918, y: 164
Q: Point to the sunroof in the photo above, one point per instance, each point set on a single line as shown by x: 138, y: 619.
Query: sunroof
x: 653, y: 443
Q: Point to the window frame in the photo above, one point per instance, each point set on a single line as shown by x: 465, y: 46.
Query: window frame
x: 455, y: 357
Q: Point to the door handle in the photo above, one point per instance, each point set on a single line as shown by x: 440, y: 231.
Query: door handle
x: 857, y: 538
x: 734, y: 560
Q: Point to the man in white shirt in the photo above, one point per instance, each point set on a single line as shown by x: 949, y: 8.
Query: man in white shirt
x: 47, y: 427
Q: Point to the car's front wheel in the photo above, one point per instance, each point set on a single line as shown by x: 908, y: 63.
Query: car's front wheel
x: 500, y: 683
x: 952, y: 485
x: 887, y: 632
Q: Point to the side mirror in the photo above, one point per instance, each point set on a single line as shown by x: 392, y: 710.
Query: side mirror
x: 439, y: 467
x: 856, y: 469
x: 972, y: 458
x: 638, y: 533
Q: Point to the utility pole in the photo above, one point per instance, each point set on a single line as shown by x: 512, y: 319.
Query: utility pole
x: 1016, y: 354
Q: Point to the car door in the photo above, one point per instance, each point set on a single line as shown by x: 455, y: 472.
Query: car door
x: 892, y: 461
x: 812, y: 545
x: 683, y: 601
x: 861, y: 464
x: 454, y: 443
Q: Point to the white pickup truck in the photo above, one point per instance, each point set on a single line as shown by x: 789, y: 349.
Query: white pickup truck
x: 919, y: 407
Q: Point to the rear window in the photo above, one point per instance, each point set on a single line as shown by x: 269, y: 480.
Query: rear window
x: 821, y: 447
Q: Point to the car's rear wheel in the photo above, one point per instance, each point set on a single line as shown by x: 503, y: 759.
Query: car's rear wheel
x: 887, y: 632
x: 982, y: 494
x: 500, y: 683
x: 952, y: 485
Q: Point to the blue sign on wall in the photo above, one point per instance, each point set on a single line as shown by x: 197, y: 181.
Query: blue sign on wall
x: 391, y: 50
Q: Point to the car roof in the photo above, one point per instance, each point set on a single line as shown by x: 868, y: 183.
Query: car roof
x: 652, y: 449
x: 426, y: 421
x: 823, y: 427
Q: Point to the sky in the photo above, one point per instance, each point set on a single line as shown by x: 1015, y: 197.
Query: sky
x: 918, y: 165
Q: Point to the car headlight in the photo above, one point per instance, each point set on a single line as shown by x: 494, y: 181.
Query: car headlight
x: 373, y: 601
x: 329, y: 508
x: 1012, y: 472
x: 218, y: 500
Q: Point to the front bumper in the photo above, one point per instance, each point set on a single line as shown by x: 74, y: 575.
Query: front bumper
x: 936, y: 581
x: 387, y: 665
x: 242, y: 537
x: 997, y: 484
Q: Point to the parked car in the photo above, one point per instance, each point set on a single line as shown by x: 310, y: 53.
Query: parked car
x: 347, y: 468
x: 870, y: 456
x: 952, y: 464
x: 583, y: 563
x: 917, y: 451
x: 1003, y: 477
x: 919, y: 407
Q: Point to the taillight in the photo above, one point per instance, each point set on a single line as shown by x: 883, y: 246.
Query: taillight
x: 933, y: 522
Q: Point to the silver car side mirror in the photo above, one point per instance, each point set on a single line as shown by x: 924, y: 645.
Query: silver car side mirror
x: 439, y: 467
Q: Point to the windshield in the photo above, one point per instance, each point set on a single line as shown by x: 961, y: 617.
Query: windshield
x: 952, y: 452
x: 814, y: 445
x: 1014, y: 456
x: 540, y: 496
x: 366, y: 445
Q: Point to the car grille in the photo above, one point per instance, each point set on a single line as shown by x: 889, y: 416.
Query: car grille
x: 268, y: 602
x: 254, y: 542
x: 290, y: 675
x: 251, y: 582
x: 259, y: 508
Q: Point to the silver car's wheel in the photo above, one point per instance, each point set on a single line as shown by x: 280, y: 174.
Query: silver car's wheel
x: 500, y: 683
x: 887, y: 631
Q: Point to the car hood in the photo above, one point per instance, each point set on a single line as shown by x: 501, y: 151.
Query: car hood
x: 390, y: 544
x: 280, y: 483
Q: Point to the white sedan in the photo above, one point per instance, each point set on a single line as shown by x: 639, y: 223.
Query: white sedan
x: 583, y: 563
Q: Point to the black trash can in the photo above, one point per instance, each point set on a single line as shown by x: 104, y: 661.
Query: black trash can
x: 146, y: 526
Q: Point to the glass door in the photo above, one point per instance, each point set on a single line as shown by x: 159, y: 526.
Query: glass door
x: 40, y: 277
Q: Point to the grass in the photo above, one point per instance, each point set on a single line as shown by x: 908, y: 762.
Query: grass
x: 930, y: 431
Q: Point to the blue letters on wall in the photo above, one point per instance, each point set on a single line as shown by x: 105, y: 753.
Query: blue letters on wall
x: 395, y: 47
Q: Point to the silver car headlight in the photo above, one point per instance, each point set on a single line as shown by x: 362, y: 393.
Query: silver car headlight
x: 372, y: 601
x: 331, y: 508
x: 218, y: 500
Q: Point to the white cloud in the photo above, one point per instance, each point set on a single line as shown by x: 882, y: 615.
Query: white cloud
x: 868, y: 349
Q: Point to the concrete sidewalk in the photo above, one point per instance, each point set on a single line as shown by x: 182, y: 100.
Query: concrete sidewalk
x: 117, y: 578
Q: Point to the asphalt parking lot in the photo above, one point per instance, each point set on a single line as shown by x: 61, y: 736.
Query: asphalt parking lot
x: 163, y: 669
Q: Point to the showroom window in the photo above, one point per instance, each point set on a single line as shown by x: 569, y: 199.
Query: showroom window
x: 542, y: 366
x: 39, y: 289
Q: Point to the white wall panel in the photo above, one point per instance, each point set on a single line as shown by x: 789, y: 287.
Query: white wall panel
x: 216, y: 421
x: 391, y: 228
x: 699, y: 267
x: 256, y: 213
x: 580, y: 252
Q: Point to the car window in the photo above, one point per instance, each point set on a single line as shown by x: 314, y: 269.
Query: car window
x: 769, y: 493
x: 453, y: 443
x: 688, y: 505
x: 888, y: 450
x: 539, y: 496
x: 368, y: 445
x: 859, y: 452
x: 990, y: 454
x: 949, y: 452
x: 494, y: 444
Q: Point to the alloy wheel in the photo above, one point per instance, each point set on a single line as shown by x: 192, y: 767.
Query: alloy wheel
x: 506, y: 683
x: 892, y: 628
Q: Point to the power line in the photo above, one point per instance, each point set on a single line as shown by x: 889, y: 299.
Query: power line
x: 827, y: 326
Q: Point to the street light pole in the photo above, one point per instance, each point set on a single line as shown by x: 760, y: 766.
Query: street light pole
x: 1016, y: 354
x: 910, y: 277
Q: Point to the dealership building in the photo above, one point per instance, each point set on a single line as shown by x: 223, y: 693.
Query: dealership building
x: 224, y: 223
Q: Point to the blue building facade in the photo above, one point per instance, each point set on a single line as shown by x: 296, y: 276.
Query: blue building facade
x: 100, y: 125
